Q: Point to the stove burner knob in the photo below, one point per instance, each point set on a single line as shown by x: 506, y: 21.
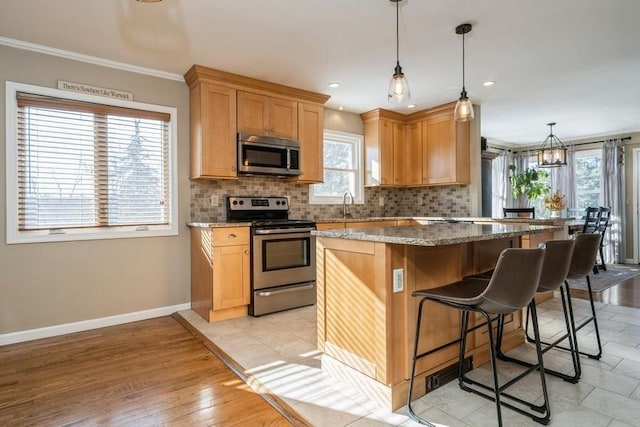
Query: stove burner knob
x: 235, y: 202
x: 242, y: 202
x: 277, y: 202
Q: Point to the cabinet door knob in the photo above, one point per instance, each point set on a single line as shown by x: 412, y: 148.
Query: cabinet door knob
x: 233, y: 168
x: 246, y: 252
x: 231, y: 236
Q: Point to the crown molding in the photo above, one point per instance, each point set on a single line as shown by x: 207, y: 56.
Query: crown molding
x: 19, y: 44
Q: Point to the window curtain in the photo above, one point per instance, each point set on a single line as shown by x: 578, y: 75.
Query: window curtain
x: 613, y: 192
x: 501, y: 189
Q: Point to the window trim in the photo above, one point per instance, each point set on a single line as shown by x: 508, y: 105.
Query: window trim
x: 589, y: 152
x: 14, y: 236
x: 357, y: 140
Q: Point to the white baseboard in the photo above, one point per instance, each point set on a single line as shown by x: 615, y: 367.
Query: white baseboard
x: 85, y: 325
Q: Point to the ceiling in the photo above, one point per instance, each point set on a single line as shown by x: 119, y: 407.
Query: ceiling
x: 574, y: 62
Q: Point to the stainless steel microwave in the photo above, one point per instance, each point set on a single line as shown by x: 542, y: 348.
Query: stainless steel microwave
x: 265, y: 155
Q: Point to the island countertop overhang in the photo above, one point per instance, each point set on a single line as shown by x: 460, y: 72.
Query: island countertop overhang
x: 436, y: 234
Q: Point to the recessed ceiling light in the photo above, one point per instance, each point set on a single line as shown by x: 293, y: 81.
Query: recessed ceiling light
x: 411, y: 106
x: 341, y: 108
x: 488, y: 83
x: 334, y: 84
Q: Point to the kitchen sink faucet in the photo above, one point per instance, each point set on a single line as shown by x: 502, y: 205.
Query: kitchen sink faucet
x: 345, y: 208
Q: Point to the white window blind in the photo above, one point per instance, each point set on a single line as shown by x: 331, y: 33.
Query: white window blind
x: 89, y: 165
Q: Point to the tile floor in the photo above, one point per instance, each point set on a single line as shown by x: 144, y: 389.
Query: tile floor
x: 278, y: 351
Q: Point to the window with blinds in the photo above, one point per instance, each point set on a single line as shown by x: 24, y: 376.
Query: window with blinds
x: 90, y: 166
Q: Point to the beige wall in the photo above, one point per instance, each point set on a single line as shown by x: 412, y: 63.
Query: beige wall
x: 46, y: 284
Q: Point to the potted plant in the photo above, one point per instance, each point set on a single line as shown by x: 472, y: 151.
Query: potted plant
x: 528, y: 183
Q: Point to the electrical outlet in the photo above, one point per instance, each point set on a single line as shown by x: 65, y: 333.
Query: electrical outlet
x: 381, y: 201
x: 214, y: 200
x: 398, y: 280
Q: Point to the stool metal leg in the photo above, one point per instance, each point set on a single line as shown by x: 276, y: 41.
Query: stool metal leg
x: 593, y: 319
x: 570, y: 336
x: 498, y: 390
x: 412, y: 414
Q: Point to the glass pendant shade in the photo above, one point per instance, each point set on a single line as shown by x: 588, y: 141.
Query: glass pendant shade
x: 552, y: 153
x: 398, y: 86
x: 464, y: 109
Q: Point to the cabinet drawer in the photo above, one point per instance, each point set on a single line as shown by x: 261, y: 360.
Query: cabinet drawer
x: 228, y: 236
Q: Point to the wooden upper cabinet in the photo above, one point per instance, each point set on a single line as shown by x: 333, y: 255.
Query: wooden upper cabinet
x: 223, y: 104
x: 413, y: 154
x: 213, y: 131
x: 424, y: 148
x: 445, y: 149
x: 399, y: 149
x: 265, y: 115
x: 384, y: 148
x: 310, y: 132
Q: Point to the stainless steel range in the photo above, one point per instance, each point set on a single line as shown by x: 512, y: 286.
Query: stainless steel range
x: 283, y: 254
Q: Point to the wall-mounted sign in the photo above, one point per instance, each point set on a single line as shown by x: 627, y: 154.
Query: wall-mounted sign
x: 95, y: 90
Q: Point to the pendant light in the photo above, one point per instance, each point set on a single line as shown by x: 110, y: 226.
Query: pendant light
x: 552, y: 153
x: 399, y: 86
x: 464, y: 108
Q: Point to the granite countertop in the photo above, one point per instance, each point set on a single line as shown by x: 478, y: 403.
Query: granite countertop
x: 421, y: 220
x: 218, y: 224
x: 437, y: 219
x: 436, y: 234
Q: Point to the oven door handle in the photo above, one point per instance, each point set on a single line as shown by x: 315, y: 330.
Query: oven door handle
x: 284, y: 231
x: 283, y: 291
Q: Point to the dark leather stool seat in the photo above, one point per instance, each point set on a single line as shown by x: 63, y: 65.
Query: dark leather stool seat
x: 511, y: 288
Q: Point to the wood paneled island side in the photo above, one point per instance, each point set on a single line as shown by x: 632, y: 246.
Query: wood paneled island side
x: 366, y: 326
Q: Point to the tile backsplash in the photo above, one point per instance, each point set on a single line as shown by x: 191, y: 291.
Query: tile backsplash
x: 208, y: 199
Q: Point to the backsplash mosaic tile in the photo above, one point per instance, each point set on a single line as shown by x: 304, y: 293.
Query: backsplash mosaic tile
x: 208, y: 200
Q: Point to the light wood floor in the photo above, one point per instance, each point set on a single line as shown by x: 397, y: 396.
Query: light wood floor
x: 152, y: 372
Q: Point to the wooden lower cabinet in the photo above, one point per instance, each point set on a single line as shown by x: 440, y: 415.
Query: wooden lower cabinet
x: 365, y: 326
x: 357, y: 224
x: 330, y: 225
x: 369, y: 224
x: 220, y: 269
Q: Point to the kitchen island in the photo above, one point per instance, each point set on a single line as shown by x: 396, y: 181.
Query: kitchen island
x: 366, y: 314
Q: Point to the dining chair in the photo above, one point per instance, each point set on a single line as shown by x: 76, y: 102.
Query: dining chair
x: 604, y: 214
x: 590, y: 220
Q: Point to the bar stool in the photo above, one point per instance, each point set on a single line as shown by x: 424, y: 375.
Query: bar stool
x: 582, y: 261
x: 555, y: 268
x: 511, y: 288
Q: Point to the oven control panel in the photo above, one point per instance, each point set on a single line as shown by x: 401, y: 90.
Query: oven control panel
x: 258, y: 203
